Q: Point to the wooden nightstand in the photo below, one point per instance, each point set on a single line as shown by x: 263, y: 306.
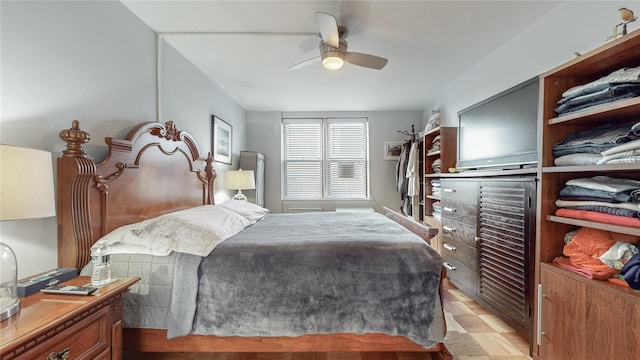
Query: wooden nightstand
x: 90, y: 327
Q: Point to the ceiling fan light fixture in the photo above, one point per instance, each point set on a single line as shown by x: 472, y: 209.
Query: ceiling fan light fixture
x: 333, y: 62
x: 333, y: 58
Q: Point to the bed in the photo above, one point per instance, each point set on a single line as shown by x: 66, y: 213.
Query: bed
x: 156, y: 172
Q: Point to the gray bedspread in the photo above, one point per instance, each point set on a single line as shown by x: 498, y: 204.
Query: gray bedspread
x: 297, y: 274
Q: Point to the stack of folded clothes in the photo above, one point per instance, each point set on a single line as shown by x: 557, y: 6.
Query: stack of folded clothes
x: 435, y: 187
x: 436, y: 210
x: 619, y: 85
x: 435, y: 145
x: 625, y: 153
x: 605, y: 144
x: 436, y: 166
x: 598, y: 254
x: 601, y: 198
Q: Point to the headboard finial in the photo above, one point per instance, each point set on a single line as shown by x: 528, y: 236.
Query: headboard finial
x: 75, y: 139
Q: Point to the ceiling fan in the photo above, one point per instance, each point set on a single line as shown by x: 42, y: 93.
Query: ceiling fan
x: 333, y: 48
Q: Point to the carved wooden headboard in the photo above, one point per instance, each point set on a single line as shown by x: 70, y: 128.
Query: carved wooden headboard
x: 154, y: 170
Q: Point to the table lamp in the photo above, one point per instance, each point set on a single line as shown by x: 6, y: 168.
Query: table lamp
x: 240, y: 180
x: 26, y: 192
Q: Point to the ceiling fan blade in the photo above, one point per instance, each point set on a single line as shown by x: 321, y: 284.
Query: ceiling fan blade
x: 305, y: 63
x: 365, y: 60
x: 328, y: 29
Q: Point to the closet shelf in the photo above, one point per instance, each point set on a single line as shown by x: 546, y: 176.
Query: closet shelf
x: 609, y: 112
x: 596, y: 225
x: 591, y: 168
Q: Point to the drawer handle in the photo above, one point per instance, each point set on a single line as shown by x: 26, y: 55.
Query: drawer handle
x: 61, y: 355
x: 448, y: 209
x: 449, y: 190
x: 449, y: 229
x: 449, y: 266
x: 449, y: 247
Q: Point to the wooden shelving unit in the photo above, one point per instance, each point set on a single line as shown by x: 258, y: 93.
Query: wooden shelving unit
x: 447, y: 156
x: 577, y: 317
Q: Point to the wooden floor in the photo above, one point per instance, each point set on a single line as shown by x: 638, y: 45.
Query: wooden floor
x: 472, y: 334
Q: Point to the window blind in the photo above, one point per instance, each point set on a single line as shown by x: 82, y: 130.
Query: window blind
x: 325, y: 158
x: 302, y: 153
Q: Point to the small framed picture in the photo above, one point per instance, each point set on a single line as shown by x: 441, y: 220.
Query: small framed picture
x: 221, y: 138
x: 392, y: 150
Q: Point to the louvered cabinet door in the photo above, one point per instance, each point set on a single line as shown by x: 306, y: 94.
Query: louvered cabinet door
x: 506, y: 247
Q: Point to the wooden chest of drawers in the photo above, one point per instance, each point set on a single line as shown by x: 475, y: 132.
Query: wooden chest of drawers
x: 86, y: 327
x: 487, y: 242
x: 459, y: 218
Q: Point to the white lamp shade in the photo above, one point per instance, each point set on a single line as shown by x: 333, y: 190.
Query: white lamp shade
x: 26, y: 183
x: 240, y: 180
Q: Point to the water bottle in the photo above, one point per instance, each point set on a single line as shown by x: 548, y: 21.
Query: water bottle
x: 101, y: 258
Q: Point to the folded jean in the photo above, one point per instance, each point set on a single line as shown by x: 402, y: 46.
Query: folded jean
x: 631, y: 272
x: 564, y: 109
x: 620, y: 75
x: 596, y: 140
x: 606, y: 91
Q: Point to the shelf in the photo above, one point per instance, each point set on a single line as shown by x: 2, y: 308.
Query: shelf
x: 591, y: 168
x: 597, y: 63
x: 434, y: 197
x: 488, y: 173
x: 433, y: 131
x: 433, y: 153
x: 606, y: 112
x: 596, y: 225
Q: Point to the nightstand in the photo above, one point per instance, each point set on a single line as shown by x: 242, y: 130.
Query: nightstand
x: 48, y: 325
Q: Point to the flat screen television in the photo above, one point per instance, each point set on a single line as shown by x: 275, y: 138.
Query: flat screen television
x: 501, y: 131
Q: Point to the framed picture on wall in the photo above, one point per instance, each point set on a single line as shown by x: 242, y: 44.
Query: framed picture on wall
x: 392, y: 150
x: 221, y: 140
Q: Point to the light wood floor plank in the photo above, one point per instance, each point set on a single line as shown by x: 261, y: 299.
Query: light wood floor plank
x: 496, y: 323
x: 495, y: 344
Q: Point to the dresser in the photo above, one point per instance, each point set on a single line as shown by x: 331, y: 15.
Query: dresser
x: 488, y: 244
x: 52, y: 326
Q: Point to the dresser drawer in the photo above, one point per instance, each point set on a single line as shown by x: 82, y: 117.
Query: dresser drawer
x: 459, y: 210
x: 459, y: 274
x: 465, y: 191
x: 89, y: 338
x: 460, y: 252
x: 459, y: 233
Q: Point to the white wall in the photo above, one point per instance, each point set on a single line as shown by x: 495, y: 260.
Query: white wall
x: 264, y: 135
x: 189, y: 98
x: 573, y: 26
x: 93, y: 61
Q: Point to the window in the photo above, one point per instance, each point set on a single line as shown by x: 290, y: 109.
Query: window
x: 325, y: 158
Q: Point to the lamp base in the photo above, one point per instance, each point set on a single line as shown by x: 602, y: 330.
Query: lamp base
x: 239, y: 196
x: 9, y: 307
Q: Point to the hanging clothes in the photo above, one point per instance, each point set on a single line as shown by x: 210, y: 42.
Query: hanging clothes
x: 413, y: 171
x: 402, y: 181
x: 401, y: 170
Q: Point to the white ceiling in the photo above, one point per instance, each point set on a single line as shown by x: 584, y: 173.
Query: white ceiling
x: 246, y: 47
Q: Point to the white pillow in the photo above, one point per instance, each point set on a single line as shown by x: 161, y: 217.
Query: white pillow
x: 249, y: 210
x: 123, y: 241
x: 194, y: 231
